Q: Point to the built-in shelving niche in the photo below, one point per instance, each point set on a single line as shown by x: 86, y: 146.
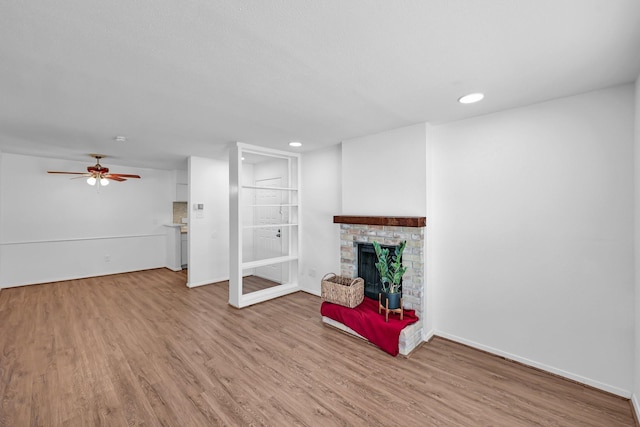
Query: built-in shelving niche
x: 265, y: 224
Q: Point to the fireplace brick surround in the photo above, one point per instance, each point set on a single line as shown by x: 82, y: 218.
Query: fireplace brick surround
x: 389, y: 231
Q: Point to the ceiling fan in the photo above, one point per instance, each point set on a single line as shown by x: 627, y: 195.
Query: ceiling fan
x: 99, y: 174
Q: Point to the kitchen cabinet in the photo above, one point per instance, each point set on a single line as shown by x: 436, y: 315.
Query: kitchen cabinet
x: 182, y: 192
x: 184, y: 249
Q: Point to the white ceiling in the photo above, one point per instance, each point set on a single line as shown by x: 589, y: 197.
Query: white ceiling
x: 182, y: 78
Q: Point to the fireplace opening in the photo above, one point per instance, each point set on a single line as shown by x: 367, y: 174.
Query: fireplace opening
x: 367, y: 269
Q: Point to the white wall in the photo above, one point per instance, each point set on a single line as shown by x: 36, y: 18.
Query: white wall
x: 384, y: 174
x: 56, y: 228
x: 532, y: 228
x: 429, y: 302
x: 321, y: 199
x: 208, y: 235
x: 1, y: 240
x: 636, y: 394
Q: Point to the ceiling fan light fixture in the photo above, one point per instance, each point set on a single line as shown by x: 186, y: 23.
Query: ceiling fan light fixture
x: 99, y: 174
x: 471, y: 98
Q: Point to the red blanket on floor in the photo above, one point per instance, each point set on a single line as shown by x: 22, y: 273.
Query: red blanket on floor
x: 365, y: 320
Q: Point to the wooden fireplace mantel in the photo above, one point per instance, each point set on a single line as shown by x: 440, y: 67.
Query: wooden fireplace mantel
x: 399, y: 221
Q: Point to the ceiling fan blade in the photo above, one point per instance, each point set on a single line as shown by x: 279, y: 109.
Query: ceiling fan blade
x: 98, y: 172
x: 124, y: 175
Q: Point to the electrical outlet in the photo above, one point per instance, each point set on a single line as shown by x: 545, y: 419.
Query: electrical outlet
x: 107, y: 258
x: 312, y: 272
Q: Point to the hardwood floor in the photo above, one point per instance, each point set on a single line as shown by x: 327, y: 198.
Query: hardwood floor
x: 142, y: 349
x: 255, y: 283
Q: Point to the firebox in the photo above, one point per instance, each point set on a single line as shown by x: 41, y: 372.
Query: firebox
x: 368, y: 271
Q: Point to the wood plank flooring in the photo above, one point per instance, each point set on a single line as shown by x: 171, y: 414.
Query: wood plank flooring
x: 142, y: 349
x: 255, y: 283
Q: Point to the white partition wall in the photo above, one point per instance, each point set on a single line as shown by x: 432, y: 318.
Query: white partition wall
x: 208, y: 241
x: 265, y: 224
x: 636, y: 390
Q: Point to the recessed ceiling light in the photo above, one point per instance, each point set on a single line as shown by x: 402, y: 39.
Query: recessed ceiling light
x: 295, y: 144
x: 471, y: 98
x: 242, y: 158
x: 121, y: 138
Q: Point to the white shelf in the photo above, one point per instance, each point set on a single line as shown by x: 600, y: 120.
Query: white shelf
x: 269, y: 226
x: 267, y: 294
x: 257, y: 187
x: 265, y: 166
x: 268, y: 261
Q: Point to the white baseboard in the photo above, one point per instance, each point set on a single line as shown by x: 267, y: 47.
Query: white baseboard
x: 578, y: 378
x: 636, y: 405
x: 67, y: 278
x: 314, y: 292
x: 206, y: 282
x: 427, y: 335
x: 267, y: 294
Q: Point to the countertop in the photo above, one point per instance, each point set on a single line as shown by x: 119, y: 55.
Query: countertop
x: 183, y: 227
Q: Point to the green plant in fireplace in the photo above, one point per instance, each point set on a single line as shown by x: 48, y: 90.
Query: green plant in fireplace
x: 390, y: 267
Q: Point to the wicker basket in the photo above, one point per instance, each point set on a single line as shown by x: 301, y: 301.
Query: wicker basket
x: 342, y: 290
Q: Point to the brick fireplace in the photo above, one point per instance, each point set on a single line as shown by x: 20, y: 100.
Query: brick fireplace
x: 389, y: 231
